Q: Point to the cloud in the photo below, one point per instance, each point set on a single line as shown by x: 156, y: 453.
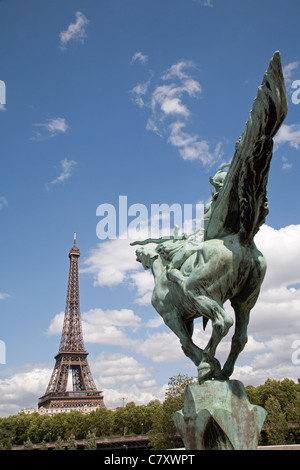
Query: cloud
x: 102, y: 326
x: 2, y: 107
x: 75, y: 31
x: 139, y: 92
x: 140, y: 393
x: 3, y: 295
x: 191, y: 147
x: 52, y: 128
x: 3, y: 202
x: 285, y: 164
x: 288, y: 134
x: 282, y: 251
x: 144, y: 283
x: 167, y: 101
x: 139, y: 57
x: 204, y: 3
x: 110, y: 326
x: 111, y: 262
x: 23, y: 388
x: 116, y: 368
x: 288, y: 72
x: 66, y: 172
x: 161, y: 347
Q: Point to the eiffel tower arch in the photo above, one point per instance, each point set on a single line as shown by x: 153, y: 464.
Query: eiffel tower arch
x: 72, y: 356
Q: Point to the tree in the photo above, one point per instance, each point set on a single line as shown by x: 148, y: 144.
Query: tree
x: 276, y: 424
x: 101, y: 421
x: 44, y: 446
x: 163, y: 434
x: 90, y: 442
x: 59, y: 445
x: 28, y: 444
x: 72, y: 445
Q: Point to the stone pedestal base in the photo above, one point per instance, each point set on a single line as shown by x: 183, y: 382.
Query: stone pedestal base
x: 218, y: 416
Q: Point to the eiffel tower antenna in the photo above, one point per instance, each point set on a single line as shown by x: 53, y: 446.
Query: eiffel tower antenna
x: 72, y: 356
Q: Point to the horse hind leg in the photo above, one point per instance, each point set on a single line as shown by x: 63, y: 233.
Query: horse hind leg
x: 239, y: 340
x: 209, y: 366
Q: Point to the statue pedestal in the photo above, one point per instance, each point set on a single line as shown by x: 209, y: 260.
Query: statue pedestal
x: 218, y: 416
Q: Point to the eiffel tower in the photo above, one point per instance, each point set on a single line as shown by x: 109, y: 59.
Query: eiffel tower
x: 71, y: 359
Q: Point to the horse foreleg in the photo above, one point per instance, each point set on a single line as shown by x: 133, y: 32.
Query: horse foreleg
x: 183, y: 331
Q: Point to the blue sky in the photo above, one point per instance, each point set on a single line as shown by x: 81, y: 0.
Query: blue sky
x: 143, y: 99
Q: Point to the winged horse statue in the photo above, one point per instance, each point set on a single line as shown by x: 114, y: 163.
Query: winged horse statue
x: 195, y: 274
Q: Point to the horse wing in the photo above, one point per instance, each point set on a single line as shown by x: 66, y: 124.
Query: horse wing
x: 266, y: 116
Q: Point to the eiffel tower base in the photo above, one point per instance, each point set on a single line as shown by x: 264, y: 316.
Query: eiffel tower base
x: 218, y: 416
x: 72, y: 400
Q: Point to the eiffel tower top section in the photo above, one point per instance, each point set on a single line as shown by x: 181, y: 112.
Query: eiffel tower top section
x: 74, y: 250
x: 72, y: 337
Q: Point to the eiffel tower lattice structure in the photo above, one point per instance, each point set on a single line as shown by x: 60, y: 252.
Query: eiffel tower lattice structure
x: 71, y: 360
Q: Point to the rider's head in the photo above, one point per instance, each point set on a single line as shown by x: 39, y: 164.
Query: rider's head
x: 217, y: 181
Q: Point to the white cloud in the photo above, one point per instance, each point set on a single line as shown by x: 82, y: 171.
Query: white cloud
x: 102, y: 326
x: 204, y: 3
x: 52, y: 127
x: 288, y: 134
x: 56, y: 125
x: 2, y: 107
x: 3, y: 202
x: 282, y: 251
x: 140, y: 393
x: 250, y: 375
x: 115, y: 369
x: 191, y: 147
x: 56, y: 324
x: 3, y: 295
x: 110, y: 326
x: 285, y: 164
x: 288, y: 72
x: 169, y: 113
x: 139, y: 57
x: 75, y: 31
x: 110, y: 262
x: 23, y: 388
x: 161, y: 347
x: 144, y: 283
x: 66, y: 172
x: 139, y: 91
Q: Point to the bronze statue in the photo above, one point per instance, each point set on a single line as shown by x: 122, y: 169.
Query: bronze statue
x: 197, y: 273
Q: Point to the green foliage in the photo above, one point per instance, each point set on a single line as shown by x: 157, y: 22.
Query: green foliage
x: 90, y: 442
x: 275, y: 424
x: 282, y: 402
x: 72, y: 445
x: 59, y: 444
x: 44, y: 446
x: 280, y: 399
x: 28, y: 444
x: 132, y: 419
x: 163, y: 434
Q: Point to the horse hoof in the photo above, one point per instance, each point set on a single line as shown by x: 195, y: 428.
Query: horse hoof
x: 204, y: 372
x: 208, y: 370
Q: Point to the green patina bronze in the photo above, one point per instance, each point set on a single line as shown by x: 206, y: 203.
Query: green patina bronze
x: 218, y: 416
x: 195, y: 274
